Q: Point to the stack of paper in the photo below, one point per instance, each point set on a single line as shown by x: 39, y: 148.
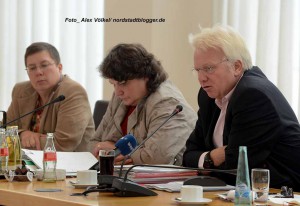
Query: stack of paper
x: 149, y: 174
x: 69, y: 161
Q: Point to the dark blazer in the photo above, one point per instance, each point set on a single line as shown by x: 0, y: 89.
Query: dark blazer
x: 258, y: 116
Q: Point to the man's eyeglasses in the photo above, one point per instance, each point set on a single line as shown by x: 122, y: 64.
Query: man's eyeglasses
x: 43, y: 67
x: 209, y: 69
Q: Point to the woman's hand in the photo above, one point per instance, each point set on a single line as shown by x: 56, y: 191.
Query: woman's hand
x: 31, y: 140
x: 102, y: 145
x: 119, y: 159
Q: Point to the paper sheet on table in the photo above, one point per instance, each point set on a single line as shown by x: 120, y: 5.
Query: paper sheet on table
x: 272, y: 200
x: 70, y: 161
x: 280, y: 201
x: 176, y: 186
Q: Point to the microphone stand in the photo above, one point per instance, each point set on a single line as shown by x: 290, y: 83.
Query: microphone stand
x: 58, y: 99
x: 143, y: 142
x: 131, y: 189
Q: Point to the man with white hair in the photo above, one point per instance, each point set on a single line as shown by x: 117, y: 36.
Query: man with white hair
x: 239, y: 106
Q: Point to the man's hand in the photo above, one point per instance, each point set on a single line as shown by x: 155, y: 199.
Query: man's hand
x: 218, y: 155
x: 31, y: 140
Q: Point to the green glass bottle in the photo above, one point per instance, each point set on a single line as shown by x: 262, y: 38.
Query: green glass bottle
x: 243, y: 195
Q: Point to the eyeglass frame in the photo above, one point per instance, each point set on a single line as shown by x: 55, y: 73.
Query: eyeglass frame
x: 210, y: 68
x: 32, y: 69
x: 123, y: 82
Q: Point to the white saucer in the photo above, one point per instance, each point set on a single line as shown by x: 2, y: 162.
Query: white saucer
x: 202, y: 202
x: 81, y: 186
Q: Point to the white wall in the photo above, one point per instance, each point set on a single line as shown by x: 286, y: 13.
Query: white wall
x: 168, y: 41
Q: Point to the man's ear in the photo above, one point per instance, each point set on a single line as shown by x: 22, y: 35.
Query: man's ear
x: 238, y: 68
x: 60, y: 67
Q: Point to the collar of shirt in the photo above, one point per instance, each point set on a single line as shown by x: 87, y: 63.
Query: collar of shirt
x: 222, y: 104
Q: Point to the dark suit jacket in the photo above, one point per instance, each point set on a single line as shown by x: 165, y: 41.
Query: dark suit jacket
x: 258, y: 116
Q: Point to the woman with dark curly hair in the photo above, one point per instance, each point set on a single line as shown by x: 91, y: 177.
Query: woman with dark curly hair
x: 143, y: 99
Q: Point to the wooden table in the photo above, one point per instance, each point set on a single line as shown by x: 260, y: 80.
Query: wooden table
x: 22, y: 193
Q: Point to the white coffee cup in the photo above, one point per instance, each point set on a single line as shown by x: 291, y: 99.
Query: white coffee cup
x: 191, y: 193
x: 87, y: 177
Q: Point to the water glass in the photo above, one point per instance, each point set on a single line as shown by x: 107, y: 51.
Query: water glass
x: 260, y: 185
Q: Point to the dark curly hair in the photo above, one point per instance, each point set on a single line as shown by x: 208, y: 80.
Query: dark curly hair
x: 132, y: 61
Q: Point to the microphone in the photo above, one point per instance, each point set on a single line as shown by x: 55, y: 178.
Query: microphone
x: 131, y: 189
x: 176, y: 111
x: 123, y: 146
x: 57, y: 99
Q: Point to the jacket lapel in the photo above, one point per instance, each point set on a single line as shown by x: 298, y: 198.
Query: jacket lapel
x: 26, y: 105
x: 210, y: 133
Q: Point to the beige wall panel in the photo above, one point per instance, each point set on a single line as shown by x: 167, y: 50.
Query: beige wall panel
x: 168, y: 41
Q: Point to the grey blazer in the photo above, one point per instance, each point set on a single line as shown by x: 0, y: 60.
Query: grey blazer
x: 168, y: 143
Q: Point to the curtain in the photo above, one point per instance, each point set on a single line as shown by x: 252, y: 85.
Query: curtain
x: 79, y: 44
x: 272, y: 32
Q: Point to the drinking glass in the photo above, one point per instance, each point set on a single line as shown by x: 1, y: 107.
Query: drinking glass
x: 260, y: 186
x: 106, y: 162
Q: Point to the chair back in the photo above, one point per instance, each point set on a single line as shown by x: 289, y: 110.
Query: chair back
x: 99, y: 111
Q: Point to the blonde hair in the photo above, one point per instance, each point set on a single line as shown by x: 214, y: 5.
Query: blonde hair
x: 226, y: 39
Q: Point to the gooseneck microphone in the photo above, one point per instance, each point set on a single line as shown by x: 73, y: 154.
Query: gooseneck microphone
x: 120, y: 186
x: 176, y: 111
x: 57, y: 99
x: 130, y: 189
